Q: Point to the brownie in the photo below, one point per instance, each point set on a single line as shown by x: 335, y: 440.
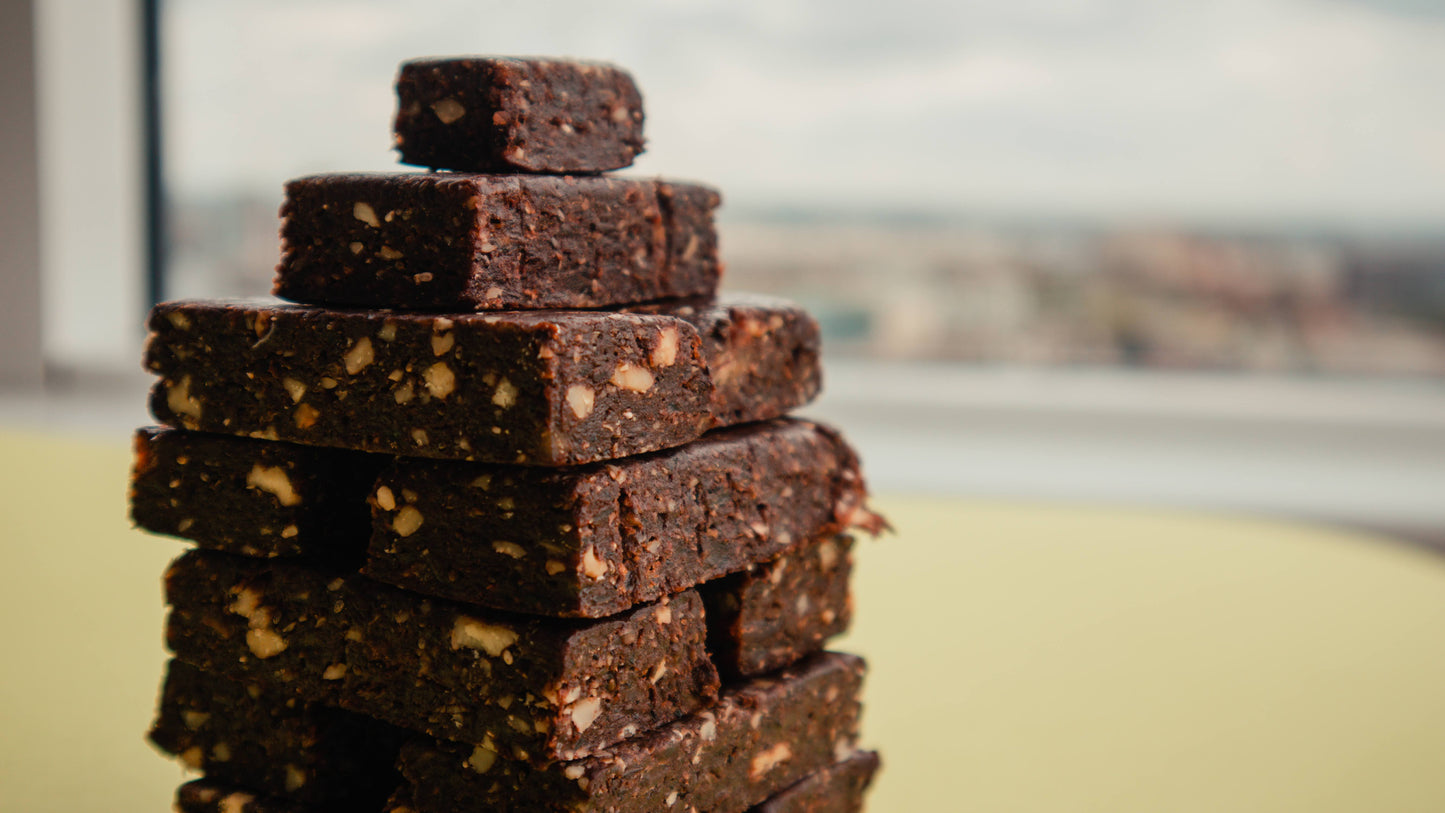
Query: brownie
x: 258, y: 621
x: 762, y: 352
x: 776, y: 613
x: 594, y: 540
x: 453, y: 242
x: 838, y: 788
x: 274, y: 743
x: 536, y: 688
x: 500, y: 114
x: 251, y: 497
x: 763, y: 736
x: 537, y: 388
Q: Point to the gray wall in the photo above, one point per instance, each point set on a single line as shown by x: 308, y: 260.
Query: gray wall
x: 20, y: 361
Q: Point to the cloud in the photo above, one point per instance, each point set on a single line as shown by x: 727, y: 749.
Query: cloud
x: 1283, y: 109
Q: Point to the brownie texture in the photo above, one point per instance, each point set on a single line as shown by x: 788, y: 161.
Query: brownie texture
x: 776, y: 613
x: 505, y: 114
x: 535, y: 388
x: 253, y: 497
x: 838, y: 788
x: 216, y: 796
x: 533, y: 688
x: 259, y: 621
x: 274, y: 743
x: 761, y: 351
x: 594, y: 540
x: 762, y: 736
x: 461, y: 242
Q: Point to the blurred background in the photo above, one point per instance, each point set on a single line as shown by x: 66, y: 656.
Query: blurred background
x: 1178, y: 261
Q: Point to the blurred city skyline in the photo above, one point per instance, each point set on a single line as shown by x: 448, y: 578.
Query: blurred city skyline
x: 1239, y: 113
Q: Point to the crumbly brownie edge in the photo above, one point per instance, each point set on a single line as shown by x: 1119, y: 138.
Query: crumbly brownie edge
x: 595, y: 540
x: 776, y: 613
x: 760, y: 738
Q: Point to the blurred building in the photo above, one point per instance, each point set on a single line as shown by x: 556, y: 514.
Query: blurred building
x: 1041, y: 295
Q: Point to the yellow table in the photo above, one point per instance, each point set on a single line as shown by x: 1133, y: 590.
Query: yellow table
x: 1025, y: 657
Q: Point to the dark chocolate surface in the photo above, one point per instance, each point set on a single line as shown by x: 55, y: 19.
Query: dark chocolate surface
x: 461, y: 242
x: 538, y: 689
x: 776, y: 613
x: 761, y: 737
x: 594, y: 540
x: 536, y: 388
x: 504, y: 114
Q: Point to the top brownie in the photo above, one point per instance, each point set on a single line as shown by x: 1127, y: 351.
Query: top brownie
x: 495, y: 114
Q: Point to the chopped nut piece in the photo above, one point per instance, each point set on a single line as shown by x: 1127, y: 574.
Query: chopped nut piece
x: 294, y: 388
x: 593, y: 566
x: 580, y: 398
x: 265, y: 643
x: 511, y: 549
x: 407, y: 520
x: 305, y: 416
x: 441, y: 343
x: 473, y: 634
x: 585, y: 711
x: 505, y: 394
x: 770, y: 759
x: 362, y: 211
x: 440, y: 381
x: 179, y: 399
x: 631, y: 377
x: 385, y: 499
x: 665, y: 353
x: 359, y: 356
x: 273, y: 479
x: 448, y: 110
x: 482, y: 759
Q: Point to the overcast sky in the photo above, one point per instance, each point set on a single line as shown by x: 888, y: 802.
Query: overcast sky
x: 1227, y: 111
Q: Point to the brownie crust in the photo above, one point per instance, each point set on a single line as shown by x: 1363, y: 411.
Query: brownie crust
x: 462, y: 242
x: 500, y: 114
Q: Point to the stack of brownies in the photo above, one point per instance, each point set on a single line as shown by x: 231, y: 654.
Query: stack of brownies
x: 463, y: 546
